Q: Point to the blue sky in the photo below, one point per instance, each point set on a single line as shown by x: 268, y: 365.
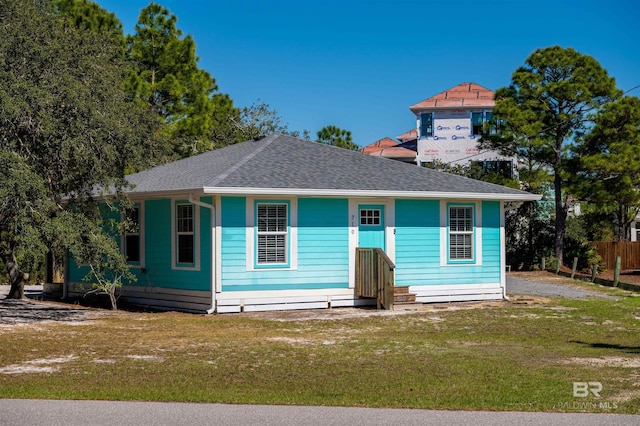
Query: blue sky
x: 360, y: 64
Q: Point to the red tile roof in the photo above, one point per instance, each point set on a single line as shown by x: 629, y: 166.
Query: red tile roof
x: 387, y: 147
x: 462, y: 95
x: 378, y: 145
x: 394, y: 152
x: 409, y: 135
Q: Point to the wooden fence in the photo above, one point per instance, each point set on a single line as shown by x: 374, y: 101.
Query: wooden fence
x: 629, y: 252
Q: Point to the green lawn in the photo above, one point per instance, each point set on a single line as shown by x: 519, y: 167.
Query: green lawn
x: 493, y: 356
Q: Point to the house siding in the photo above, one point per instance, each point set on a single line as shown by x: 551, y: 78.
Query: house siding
x: 157, y: 243
x: 158, y: 258
x: 322, y: 248
x: 418, y: 243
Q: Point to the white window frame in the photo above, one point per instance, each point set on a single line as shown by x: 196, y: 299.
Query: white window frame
x: 252, y: 235
x: 371, y: 216
x: 476, y: 240
x: 195, y: 266
x: 467, y: 214
x: 281, y: 210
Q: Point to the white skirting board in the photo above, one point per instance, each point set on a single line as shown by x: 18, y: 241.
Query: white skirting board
x: 157, y: 298
x: 456, y: 292
x: 200, y: 301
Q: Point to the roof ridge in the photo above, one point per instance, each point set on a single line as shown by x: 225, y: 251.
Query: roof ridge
x: 263, y: 144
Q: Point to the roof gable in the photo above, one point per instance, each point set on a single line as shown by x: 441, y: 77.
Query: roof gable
x: 464, y: 95
x: 281, y: 164
x: 376, y: 146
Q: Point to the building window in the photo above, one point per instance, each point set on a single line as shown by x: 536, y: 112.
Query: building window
x: 503, y: 168
x: 370, y: 217
x: 426, y: 124
x: 184, y: 234
x: 478, y: 120
x: 132, y: 235
x: 272, y: 226
x: 461, y: 233
x: 476, y: 123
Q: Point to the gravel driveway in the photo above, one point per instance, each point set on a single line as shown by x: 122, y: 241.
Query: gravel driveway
x: 521, y: 286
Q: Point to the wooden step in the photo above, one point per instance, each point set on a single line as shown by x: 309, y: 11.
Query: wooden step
x: 404, y: 298
x: 406, y: 306
x: 401, y: 289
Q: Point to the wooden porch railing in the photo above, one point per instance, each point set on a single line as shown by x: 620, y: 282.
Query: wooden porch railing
x: 375, y: 276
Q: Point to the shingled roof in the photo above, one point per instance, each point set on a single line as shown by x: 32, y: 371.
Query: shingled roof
x: 464, y: 95
x: 283, y: 165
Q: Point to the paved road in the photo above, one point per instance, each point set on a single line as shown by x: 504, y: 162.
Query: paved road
x: 97, y: 413
x: 517, y: 285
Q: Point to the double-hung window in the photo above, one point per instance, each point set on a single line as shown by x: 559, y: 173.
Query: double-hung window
x: 272, y: 229
x: 426, y: 124
x: 132, y: 235
x: 461, y: 238
x: 185, y: 249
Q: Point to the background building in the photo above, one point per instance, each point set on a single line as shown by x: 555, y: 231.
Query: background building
x: 448, y: 129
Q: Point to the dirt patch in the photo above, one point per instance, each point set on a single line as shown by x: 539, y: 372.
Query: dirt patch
x: 336, y: 314
x: 44, y: 365
x: 610, y: 361
x: 27, y: 312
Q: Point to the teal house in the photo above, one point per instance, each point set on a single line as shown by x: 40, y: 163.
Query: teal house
x: 275, y: 224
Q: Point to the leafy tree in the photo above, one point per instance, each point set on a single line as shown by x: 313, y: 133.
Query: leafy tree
x: 100, y: 251
x: 608, y: 163
x: 333, y: 135
x: 23, y: 209
x: 550, y: 99
x: 88, y: 15
x: 253, y: 122
x: 65, y: 122
x: 167, y: 79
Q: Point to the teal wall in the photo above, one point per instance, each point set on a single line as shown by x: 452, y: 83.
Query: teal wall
x: 418, y: 246
x: 157, y: 246
x: 323, y: 248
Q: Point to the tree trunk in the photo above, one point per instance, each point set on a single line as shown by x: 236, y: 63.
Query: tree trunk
x: 561, y: 217
x: 16, y: 279
x: 50, y: 264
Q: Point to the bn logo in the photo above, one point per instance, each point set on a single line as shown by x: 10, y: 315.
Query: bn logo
x: 582, y: 389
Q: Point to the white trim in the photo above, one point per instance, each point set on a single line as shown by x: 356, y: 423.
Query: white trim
x: 369, y: 194
x: 331, y: 193
x: 250, y: 233
x: 456, y: 292
x: 503, y: 254
x: 354, y: 220
x: 218, y: 244
x: 196, y: 235
x: 212, y: 224
x: 390, y: 229
x: 444, y: 226
x: 257, y: 294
